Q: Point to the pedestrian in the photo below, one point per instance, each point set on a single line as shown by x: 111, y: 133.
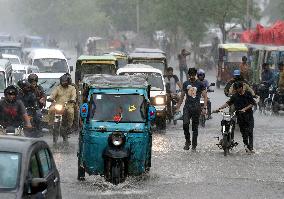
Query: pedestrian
x: 243, y: 102
x: 182, y: 63
x: 193, y: 89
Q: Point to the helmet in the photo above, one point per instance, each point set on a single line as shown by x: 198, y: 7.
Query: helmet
x: 237, y: 72
x: 33, y: 78
x: 64, y: 78
x: 238, y: 85
x: 69, y: 78
x: 23, y: 83
x: 192, y: 71
x: 11, y: 90
x: 200, y: 72
x: 244, y: 58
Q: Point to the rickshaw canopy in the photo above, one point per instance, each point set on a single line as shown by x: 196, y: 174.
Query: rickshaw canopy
x: 89, y: 59
x: 234, y: 47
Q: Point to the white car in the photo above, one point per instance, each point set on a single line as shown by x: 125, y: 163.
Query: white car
x: 158, y: 89
x: 49, y: 61
x: 14, y: 59
x: 20, y: 71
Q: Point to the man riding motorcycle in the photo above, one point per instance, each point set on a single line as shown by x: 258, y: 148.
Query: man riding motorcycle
x: 29, y: 99
x: 63, y: 94
x: 229, y: 89
x: 38, y: 90
x: 13, y: 112
x: 201, y: 77
x: 171, y: 81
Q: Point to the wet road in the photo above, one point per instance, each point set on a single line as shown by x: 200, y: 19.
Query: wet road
x: 206, y: 173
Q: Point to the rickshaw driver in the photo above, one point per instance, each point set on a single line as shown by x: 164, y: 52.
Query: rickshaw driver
x: 61, y: 94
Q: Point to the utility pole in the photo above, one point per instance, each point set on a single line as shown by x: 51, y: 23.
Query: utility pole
x: 137, y: 17
x: 248, y: 14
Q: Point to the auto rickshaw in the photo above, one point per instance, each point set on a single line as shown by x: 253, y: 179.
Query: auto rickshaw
x: 116, y: 139
x: 122, y: 58
x: 230, y: 58
x: 154, y: 59
x: 89, y: 65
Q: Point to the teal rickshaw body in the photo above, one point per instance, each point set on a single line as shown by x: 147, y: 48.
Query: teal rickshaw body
x: 95, y: 138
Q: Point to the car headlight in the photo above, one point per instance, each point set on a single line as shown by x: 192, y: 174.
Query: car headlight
x: 159, y: 100
x: 117, y: 139
x: 58, y: 107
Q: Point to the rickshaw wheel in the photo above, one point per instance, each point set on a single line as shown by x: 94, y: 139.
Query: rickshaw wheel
x: 81, y: 173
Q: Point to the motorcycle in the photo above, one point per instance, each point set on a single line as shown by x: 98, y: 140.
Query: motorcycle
x: 268, y: 101
x: 11, y: 130
x: 171, y: 107
x: 227, y: 129
x: 59, y: 120
x: 203, y: 117
x: 262, y: 91
x: 278, y: 101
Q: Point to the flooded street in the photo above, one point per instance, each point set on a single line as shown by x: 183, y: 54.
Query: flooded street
x: 206, y: 173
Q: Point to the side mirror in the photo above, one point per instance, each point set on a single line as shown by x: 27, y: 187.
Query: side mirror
x: 212, y: 84
x: 84, y: 109
x: 151, y: 113
x: 71, y: 68
x: 38, y: 185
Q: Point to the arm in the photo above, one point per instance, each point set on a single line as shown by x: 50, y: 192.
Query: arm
x: 249, y: 89
x: 179, y: 85
x: 54, y: 93
x: 73, y: 94
x: 204, y: 95
x: 23, y: 112
x: 180, y: 100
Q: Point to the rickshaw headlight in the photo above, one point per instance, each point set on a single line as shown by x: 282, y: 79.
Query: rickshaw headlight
x: 117, y: 139
x: 159, y: 100
x: 58, y: 107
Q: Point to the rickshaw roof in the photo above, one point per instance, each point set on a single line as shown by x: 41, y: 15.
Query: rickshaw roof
x: 116, y: 81
x: 97, y: 58
x: 148, y: 50
x: 116, y: 54
x: 234, y: 47
x: 33, y: 37
x: 147, y: 55
x: 138, y: 68
x: 11, y: 44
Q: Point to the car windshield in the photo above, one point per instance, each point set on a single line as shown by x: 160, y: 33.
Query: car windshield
x: 118, y: 108
x: 51, y: 65
x: 14, y: 61
x: 156, y: 64
x: 48, y: 84
x: 236, y: 56
x: 2, y: 82
x: 153, y: 79
x: 18, y: 75
x: 9, y: 170
x: 12, y: 51
x: 98, y: 69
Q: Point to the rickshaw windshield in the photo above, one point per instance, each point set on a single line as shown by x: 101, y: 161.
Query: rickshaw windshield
x: 9, y: 170
x: 97, y: 69
x: 118, y: 108
x: 121, y: 62
x: 2, y: 82
x: 51, y: 65
x: 12, y: 51
x: 153, y: 79
x: 236, y: 56
x: 48, y: 84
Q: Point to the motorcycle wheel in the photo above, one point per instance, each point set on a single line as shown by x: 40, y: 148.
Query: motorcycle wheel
x: 202, y: 120
x: 225, y: 145
x: 161, y: 123
x: 175, y: 122
x: 117, y: 172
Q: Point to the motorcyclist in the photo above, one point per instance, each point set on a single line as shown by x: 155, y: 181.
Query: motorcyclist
x: 243, y: 102
x: 267, y: 76
x: 13, y: 112
x: 171, y: 81
x: 38, y: 90
x: 201, y: 77
x: 61, y: 94
x: 229, y: 89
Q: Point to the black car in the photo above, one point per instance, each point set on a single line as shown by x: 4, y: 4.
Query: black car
x: 27, y: 169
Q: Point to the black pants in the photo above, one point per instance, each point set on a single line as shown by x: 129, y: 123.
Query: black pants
x: 191, y: 114
x: 209, y: 108
x: 246, y: 123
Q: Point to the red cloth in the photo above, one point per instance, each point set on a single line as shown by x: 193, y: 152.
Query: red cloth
x: 273, y: 35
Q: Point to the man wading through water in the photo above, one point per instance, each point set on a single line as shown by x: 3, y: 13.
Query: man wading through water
x: 193, y: 89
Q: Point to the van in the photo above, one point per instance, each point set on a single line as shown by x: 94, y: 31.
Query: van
x: 49, y: 61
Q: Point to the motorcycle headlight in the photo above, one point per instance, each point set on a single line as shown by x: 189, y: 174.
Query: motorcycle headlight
x: 159, y: 100
x: 58, y: 107
x: 117, y: 139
